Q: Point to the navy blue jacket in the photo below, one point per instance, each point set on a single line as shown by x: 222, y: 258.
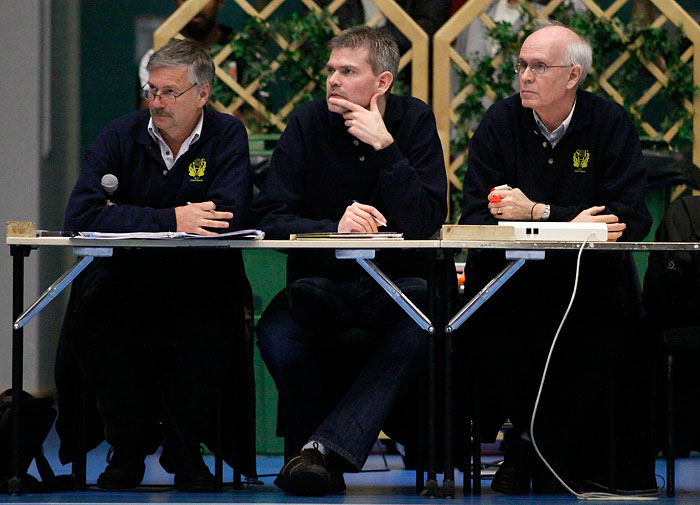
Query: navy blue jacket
x: 206, y: 288
x: 597, y: 162
x: 318, y: 169
x: 146, y: 197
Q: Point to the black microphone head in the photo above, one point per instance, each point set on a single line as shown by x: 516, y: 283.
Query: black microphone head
x: 109, y: 183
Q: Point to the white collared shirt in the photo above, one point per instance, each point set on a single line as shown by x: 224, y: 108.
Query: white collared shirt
x: 559, y: 132
x: 165, y: 151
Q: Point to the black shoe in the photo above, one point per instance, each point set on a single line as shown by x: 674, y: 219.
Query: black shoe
x: 336, y: 465
x: 168, y: 458
x: 513, y: 477
x: 192, y: 475
x: 125, y: 469
x: 336, y: 483
x: 544, y: 482
x: 306, y: 474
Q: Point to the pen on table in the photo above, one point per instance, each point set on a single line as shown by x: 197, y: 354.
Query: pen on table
x: 376, y: 219
x: 210, y: 210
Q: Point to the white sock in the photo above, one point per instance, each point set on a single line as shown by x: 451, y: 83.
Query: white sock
x: 313, y: 444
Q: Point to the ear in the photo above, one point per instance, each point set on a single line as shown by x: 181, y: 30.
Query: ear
x: 204, y: 94
x: 384, y: 81
x: 574, y: 76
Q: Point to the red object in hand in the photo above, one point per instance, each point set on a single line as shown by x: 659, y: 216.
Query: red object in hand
x: 496, y: 199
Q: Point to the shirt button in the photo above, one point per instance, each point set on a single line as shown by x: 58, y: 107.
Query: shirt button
x: 550, y: 161
x: 167, y: 153
x: 544, y: 144
x: 361, y: 158
x: 356, y: 142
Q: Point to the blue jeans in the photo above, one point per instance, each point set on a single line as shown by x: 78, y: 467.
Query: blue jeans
x: 291, y: 336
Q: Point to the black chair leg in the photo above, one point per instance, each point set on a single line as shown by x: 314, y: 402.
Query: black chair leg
x: 476, y: 442
x: 670, y: 449
x: 79, y: 464
x: 218, y: 461
x: 612, y: 449
x: 420, y: 443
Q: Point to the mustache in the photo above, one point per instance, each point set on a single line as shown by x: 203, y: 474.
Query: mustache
x: 335, y: 91
x: 159, y: 111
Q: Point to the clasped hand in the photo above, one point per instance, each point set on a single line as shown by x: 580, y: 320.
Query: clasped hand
x: 592, y: 215
x: 365, y: 124
x: 192, y: 218
x: 513, y: 205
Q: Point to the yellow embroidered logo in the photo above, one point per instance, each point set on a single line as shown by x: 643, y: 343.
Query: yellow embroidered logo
x: 196, y: 169
x: 581, y: 157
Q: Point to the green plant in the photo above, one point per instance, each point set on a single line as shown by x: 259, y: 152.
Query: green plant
x: 487, y: 75
x: 300, y: 61
x: 610, y: 39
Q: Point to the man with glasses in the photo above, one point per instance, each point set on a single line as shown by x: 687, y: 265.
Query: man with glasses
x: 153, y: 330
x: 568, y: 155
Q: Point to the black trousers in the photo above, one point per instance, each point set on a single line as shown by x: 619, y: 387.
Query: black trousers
x: 346, y: 408
x: 154, y: 350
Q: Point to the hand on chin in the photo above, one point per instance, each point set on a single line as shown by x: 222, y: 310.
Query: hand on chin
x: 334, y: 107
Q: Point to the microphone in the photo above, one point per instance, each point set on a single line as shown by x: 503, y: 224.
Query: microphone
x: 109, y: 184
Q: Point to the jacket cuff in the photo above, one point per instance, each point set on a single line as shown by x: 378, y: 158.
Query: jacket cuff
x: 166, y: 219
x: 557, y: 213
x: 388, y: 156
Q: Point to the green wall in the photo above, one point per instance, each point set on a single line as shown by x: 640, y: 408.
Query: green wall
x: 108, y: 72
x: 266, y: 270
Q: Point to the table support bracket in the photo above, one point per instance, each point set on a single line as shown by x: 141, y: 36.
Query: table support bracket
x: 86, y: 254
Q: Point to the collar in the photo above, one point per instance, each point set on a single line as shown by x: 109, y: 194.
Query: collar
x: 165, y: 150
x: 191, y: 139
x: 559, y: 132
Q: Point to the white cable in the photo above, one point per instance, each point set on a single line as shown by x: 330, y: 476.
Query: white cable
x: 580, y: 496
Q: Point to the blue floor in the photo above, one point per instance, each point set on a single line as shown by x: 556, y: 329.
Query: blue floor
x: 384, y: 481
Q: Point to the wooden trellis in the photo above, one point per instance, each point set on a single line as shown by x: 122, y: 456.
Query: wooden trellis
x: 444, y: 55
x: 417, y: 56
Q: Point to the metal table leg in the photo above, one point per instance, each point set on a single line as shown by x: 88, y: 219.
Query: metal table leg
x: 518, y: 259
x: 448, y: 279
x: 487, y: 292
x: 18, y: 254
x: 20, y: 318
x: 431, y: 485
x: 88, y: 254
x: 363, y: 258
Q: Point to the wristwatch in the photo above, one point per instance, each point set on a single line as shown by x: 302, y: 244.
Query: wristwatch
x: 546, y: 213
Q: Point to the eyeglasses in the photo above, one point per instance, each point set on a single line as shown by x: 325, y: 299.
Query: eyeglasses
x: 535, y: 68
x: 168, y: 96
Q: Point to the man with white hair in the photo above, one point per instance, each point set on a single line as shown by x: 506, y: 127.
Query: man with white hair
x: 568, y: 155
